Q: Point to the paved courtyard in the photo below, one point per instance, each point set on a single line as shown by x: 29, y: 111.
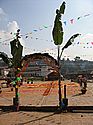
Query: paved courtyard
x: 46, y: 94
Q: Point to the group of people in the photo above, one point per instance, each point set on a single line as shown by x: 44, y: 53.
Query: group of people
x: 82, y: 80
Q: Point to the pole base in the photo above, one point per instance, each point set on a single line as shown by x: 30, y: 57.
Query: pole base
x: 65, y: 101
x: 64, y: 104
x: 16, y: 104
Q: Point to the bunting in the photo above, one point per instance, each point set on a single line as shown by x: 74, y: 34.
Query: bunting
x: 78, y: 18
x: 30, y: 34
x: 84, y: 44
x: 26, y: 36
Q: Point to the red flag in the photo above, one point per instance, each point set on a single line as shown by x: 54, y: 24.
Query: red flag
x: 72, y: 21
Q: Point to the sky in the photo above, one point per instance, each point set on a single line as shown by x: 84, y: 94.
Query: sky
x: 35, y: 19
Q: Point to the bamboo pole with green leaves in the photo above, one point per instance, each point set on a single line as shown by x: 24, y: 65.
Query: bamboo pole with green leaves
x: 57, y: 34
x: 15, y: 62
x: 58, y: 39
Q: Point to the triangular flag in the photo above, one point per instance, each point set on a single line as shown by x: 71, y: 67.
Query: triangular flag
x: 26, y: 37
x: 30, y: 33
x: 65, y: 22
x: 35, y: 30
x: 78, y: 18
x: 72, y: 21
x: 92, y: 43
x: 40, y: 29
x: 45, y: 26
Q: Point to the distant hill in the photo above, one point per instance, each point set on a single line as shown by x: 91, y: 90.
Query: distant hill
x: 77, y: 66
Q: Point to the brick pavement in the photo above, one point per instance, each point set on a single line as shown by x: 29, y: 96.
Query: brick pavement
x: 34, y: 97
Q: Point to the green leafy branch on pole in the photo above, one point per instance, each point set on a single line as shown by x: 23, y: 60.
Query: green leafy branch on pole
x: 58, y: 29
x: 57, y: 34
x: 69, y: 42
x: 6, y: 59
x: 16, y: 51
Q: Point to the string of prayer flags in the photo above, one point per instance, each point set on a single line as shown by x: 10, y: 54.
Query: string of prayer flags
x: 78, y: 18
x: 27, y: 35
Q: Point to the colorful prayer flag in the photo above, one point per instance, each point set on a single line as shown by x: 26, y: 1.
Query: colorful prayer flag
x: 35, y: 30
x: 78, y: 18
x: 72, y: 21
x: 64, y: 23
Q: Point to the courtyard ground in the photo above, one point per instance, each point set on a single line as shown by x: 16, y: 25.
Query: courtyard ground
x: 46, y: 94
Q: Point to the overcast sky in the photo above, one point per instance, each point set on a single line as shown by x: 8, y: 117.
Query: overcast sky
x: 35, y: 18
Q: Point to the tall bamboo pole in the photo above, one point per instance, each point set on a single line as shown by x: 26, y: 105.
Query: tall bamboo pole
x: 59, y: 76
